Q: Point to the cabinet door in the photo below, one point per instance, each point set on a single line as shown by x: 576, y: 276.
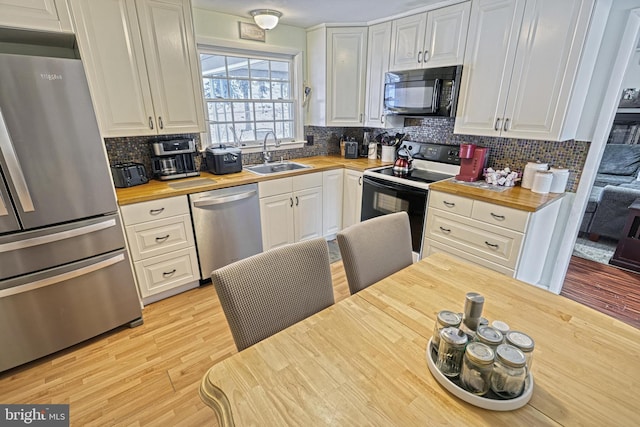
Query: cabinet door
x: 407, y: 42
x: 352, y: 198
x: 307, y: 214
x: 276, y: 218
x: 545, y: 68
x: 172, y: 65
x: 332, y: 187
x: 112, y: 54
x: 488, y: 61
x: 446, y: 36
x: 378, y: 51
x: 346, y: 59
x: 42, y: 15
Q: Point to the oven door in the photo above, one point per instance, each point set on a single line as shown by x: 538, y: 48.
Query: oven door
x: 381, y: 197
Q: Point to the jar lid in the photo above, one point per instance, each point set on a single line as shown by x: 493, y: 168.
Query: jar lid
x: 448, y: 318
x: 479, y: 353
x: 489, y: 335
x: 501, y: 326
x: 520, y: 340
x: 544, y: 172
x: 453, y: 336
x: 510, y: 356
x: 560, y: 169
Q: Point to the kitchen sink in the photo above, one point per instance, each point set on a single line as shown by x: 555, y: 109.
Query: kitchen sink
x: 276, y: 167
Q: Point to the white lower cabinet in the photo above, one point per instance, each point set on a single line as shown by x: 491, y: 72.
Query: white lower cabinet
x: 332, y: 189
x: 162, y: 247
x: 511, y: 241
x: 352, y: 198
x: 291, y: 209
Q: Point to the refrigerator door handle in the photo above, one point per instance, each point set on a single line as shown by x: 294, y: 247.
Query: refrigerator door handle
x: 62, y: 277
x: 13, y: 166
x: 35, y: 241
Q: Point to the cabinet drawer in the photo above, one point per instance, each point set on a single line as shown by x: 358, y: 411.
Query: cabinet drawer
x: 159, y: 237
x: 310, y: 180
x: 450, y: 203
x: 154, y: 209
x: 274, y: 187
x: 501, y: 216
x: 492, y: 243
x: 164, y: 272
x: 433, y: 247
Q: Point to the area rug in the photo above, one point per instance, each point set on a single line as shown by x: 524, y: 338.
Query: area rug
x: 600, y: 251
x: 334, y: 251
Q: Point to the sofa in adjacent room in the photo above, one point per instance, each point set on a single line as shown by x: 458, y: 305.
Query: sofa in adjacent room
x: 616, y: 186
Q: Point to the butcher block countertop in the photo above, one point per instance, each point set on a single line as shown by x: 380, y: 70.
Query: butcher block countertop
x: 513, y: 197
x: 156, y: 189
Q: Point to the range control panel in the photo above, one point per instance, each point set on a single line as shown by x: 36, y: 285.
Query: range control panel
x: 443, y: 153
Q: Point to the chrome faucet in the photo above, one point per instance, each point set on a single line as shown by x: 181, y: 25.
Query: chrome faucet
x: 266, y: 156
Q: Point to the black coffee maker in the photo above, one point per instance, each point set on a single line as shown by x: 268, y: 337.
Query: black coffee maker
x: 175, y: 158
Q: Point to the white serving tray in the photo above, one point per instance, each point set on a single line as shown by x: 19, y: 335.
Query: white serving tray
x: 480, y: 401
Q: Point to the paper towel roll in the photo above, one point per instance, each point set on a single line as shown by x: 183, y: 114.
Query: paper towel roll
x: 542, y: 182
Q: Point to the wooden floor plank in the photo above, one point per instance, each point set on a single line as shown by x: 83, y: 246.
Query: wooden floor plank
x: 150, y: 375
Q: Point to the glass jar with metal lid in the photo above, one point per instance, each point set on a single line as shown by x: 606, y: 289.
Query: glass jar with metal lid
x: 477, y: 367
x: 489, y: 336
x: 509, y: 371
x: 451, y: 351
x: 524, y: 342
x: 445, y: 319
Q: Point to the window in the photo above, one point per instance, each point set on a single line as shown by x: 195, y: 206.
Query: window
x: 247, y: 96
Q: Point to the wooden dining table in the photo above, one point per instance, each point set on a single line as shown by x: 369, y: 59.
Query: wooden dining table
x: 363, y: 361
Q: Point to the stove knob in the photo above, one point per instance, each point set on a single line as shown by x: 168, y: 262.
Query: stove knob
x: 410, y: 148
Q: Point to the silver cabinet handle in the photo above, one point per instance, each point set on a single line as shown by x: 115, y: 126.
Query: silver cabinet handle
x: 150, y: 122
x: 160, y: 124
x: 449, y: 204
x: 497, y: 125
x: 381, y: 118
x: 156, y: 211
x: 297, y: 201
x: 425, y: 57
x: 50, y: 238
x: 3, y: 207
x: 361, y: 117
x: 61, y: 277
x: 13, y: 168
x: 506, y: 125
x: 419, y: 57
x: 221, y: 200
x: 498, y: 217
x: 491, y: 245
x: 290, y: 202
x: 162, y: 239
x: 360, y: 181
x: 169, y: 273
x: 445, y: 230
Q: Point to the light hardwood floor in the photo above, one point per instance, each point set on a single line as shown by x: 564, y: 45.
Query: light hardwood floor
x: 147, y: 375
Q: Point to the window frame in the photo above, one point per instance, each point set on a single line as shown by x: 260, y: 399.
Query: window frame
x: 218, y: 47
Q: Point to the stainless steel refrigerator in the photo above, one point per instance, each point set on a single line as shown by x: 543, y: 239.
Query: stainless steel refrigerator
x: 65, y: 275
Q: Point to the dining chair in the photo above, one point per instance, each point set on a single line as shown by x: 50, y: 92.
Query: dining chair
x: 268, y: 292
x: 374, y: 249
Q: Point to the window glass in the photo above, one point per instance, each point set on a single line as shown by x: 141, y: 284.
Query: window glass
x: 246, y: 97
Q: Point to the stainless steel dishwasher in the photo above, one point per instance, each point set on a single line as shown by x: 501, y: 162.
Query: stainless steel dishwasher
x: 227, y: 226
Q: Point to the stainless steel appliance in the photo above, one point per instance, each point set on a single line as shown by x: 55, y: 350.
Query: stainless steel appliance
x: 65, y: 275
x: 424, y: 92
x: 174, y: 159
x: 227, y: 226
x: 222, y: 160
x: 385, y: 191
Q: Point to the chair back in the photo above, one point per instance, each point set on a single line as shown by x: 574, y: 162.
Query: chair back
x: 268, y: 292
x: 374, y: 249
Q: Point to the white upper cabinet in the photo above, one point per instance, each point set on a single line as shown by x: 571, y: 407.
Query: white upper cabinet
x: 521, y: 68
x: 378, y: 52
x: 142, y: 65
x: 41, y: 15
x: 433, y: 39
x: 336, y: 59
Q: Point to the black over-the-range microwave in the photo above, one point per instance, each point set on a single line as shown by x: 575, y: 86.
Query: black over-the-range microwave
x: 424, y: 92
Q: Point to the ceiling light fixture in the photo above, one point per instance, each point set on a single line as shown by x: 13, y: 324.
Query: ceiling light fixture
x: 267, y: 19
